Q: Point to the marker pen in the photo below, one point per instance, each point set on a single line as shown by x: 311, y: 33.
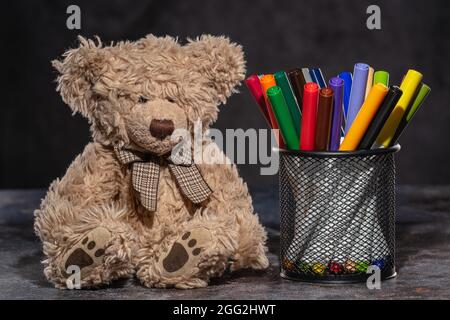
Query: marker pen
x: 318, y: 77
x: 324, y: 116
x: 307, y: 75
x: 348, y: 79
x: 254, y: 86
x: 412, y: 110
x: 369, y: 82
x: 282, y: 81
x: 268, y: 81
x: 381, y: 76
x: 297, y: 82
x: 365, y: 115
x: 409, y: 86
x: 310, y: 100
x: 337, y: 84
x: 357, y: 93
x: 378, y: 121
x: 284, y: 118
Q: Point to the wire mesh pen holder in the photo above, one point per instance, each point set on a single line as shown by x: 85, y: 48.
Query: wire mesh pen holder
x: 337, y: 214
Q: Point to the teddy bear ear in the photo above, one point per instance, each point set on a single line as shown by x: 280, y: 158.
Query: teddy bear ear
x: 79, y: 70
x: 219, y: 60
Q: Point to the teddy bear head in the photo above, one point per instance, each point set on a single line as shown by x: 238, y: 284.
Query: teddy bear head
x: 137, y: 94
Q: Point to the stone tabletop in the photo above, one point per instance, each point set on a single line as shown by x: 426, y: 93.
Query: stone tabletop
x: 423, y: 257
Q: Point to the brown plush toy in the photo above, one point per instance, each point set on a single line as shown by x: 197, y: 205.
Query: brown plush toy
x: 125, y: 206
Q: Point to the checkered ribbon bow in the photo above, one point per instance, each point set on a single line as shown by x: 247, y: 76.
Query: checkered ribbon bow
x: 145, y: 170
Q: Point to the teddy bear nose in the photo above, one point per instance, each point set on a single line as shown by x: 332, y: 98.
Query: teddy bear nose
x: 161, y: 128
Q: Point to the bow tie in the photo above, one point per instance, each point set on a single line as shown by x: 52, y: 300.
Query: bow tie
x: 145, y: 170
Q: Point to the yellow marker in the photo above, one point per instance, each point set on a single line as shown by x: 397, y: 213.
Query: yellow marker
x: 364, y: 118
x: 409, y: 86
x: 369, y: 81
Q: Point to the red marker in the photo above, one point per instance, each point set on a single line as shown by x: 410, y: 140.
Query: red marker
x: 254, y: 86
x: 309, y: 116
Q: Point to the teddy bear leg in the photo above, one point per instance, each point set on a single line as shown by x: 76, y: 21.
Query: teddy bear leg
x: 251, y: 250
x: 188, y: 258
x: 89, y: 252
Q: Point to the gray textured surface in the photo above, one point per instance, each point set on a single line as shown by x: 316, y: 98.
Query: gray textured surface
x: 423, y: 258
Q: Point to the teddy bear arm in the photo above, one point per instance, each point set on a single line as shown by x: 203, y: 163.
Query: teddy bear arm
x: 232, y: 199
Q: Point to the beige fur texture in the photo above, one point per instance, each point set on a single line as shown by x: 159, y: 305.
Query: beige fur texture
x: 90, y: 217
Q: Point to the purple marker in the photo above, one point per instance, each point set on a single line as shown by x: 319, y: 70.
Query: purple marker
x: 337, y: 84
x: 357, y: 94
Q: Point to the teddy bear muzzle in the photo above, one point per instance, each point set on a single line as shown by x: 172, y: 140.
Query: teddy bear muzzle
x: 160, y: 129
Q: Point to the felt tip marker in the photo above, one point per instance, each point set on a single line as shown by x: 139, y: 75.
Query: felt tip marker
x: 379, y: 120
x: 365, y: 115
x: 369, y: 81
x: 307, y: 75
x: 317, y: 76
x: 348, y: 79
x: 254, y: 86
x: 284, y: 118
x: 324, y: 116
x: 357, y: 93
x: 309, y: 116
x: 267, y: 81
x: 409, y: 85
x: 381, y: 76
x: 337, y: 85
x: 283, y: 82
x: 416, y: 104
x: 297, y: 83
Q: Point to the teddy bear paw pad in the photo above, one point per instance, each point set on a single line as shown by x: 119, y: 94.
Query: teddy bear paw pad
x: 185, y: 252
x: 89, y: 251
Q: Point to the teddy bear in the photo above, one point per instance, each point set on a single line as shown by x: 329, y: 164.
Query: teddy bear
x: 129, y: 205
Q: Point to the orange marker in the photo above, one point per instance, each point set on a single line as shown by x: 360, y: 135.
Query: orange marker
x: 369, y: 81
x: 267, y: 82
x: 364, y: 118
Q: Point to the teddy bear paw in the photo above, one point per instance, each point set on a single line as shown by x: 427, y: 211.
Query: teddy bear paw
x: 88, y: 252
x: 185, y: 252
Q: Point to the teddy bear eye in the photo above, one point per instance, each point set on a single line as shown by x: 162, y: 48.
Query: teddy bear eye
x: 170, y: 100
x: 142, y: 99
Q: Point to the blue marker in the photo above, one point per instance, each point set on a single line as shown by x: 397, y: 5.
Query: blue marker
x: 313, y: 76
x: 348, y: 79
x: 319, y: 79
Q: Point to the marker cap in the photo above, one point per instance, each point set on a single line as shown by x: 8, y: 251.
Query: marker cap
x: 267, y: 81
x: 311, y: 87
x: 381, y: 76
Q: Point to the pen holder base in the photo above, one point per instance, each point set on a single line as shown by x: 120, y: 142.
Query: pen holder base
x: 337, y: 215
x: 337, y: 279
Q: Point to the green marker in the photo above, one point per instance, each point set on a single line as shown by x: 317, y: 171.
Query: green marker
x: 283, y: 82
x: 284, y: 118
x: 381, y: 77
x: 419, y: 99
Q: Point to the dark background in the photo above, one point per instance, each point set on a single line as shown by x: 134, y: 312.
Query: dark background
x: 39, y: 137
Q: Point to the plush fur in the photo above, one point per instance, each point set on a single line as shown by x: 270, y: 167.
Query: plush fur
x: 91, y: 218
